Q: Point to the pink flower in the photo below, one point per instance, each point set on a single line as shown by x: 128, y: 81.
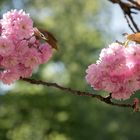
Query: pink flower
x: 31, y: 58
x: 136, y: 104
x: 6, y: 46
x: 9, y: 76
x: 46, y: 52
x: 24, y: 71
x: 17, y: 23
x: 94, y: 77
x: 9, y: 61
x: 32, y: 40
x: 133, y: 58
x: 20, y: 51
x: 21, y: 48
x: 0, y: 28
x: 116, y: 71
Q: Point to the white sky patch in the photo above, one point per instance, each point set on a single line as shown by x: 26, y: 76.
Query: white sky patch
x: 4, y: 88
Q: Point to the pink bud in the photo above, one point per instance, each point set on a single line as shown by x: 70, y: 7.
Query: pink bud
x: 136, y: 104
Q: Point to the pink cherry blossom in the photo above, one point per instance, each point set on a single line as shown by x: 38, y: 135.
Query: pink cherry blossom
x: 24, y: 71
x: 17, y: 23
x: 21, y: 47
x: 20, y: 51
x: 136, y: 104
x: 31, y: 58
x: 9, y: 61
x: 6, y: 46
x: 0, y: 28
x: 117, y: 71
x: 9, y: 76
x: 46, y: 52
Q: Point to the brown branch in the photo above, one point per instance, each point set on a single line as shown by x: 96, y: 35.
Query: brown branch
x: 127, y: 11
x: 106, y: 100
x: 127, y: 20
x: 134, y: 23
x: 136, y: 4
x: 130, y: 4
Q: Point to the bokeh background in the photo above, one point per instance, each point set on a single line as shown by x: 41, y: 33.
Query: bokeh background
x: 31, y: 112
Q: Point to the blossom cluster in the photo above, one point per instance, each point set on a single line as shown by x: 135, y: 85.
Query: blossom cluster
x: 20, y: 50
x: 117, y: 71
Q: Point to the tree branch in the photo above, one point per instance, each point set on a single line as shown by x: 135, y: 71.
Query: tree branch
x: 106, y: 100
x: 136, y: 4
x: 127, y: 20
x: 127, y: 11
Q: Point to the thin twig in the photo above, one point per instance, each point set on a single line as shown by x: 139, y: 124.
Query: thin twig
x: 106, y: 100
x: 135, y: 3
x: 127, y: 11
x: 127, y: 20
x: 134, y: 23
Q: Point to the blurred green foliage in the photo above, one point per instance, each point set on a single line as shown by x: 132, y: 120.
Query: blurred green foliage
x: 31, y: 112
